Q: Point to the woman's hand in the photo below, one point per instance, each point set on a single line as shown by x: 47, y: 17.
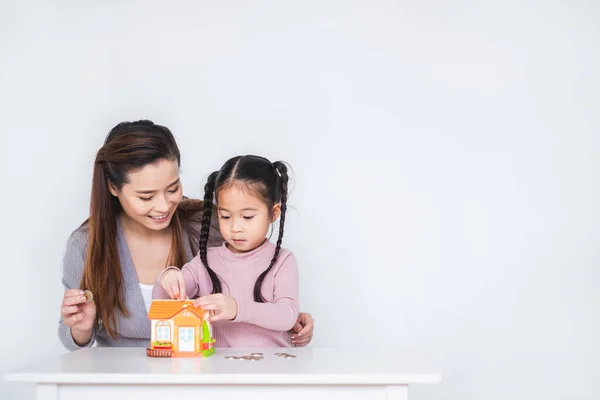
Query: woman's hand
x: 225, y: 307
x: 173, y: 283
x: 79, y: 315
x: 302, y: 332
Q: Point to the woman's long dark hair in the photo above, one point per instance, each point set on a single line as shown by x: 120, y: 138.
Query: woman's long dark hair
x: 128, y: 147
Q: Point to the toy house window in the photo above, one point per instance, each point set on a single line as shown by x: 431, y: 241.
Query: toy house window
x: 163, y: 331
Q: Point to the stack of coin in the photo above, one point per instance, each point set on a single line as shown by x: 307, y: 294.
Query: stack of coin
x: 285, y: 355
x: 251, y: 357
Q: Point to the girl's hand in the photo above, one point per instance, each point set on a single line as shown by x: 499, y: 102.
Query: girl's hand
x: 173, y: 283
x: 225, y: 307
x: 79, y: 315
x: 302, y: 332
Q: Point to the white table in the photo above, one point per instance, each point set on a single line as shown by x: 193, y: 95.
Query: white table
x: 316, y: 373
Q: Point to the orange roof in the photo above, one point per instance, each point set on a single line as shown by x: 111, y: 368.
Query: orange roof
x: 167, y: 309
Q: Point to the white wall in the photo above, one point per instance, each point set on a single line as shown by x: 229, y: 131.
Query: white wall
x: 444, y: 155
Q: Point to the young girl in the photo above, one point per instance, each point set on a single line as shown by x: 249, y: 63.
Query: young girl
x: 249, y: 283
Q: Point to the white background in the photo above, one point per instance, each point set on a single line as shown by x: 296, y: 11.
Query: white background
x: 445, y: 157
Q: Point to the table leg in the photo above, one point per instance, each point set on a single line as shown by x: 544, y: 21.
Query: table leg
x: 397, y: 392
x: 46, y: 391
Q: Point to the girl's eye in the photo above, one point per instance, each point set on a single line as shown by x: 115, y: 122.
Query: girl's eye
x: 249, y: 217
x: 174, y: 190
x: 224, y: 217
x: 145, y: 198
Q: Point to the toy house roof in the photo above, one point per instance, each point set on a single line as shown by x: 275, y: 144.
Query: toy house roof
x: 167, y: 309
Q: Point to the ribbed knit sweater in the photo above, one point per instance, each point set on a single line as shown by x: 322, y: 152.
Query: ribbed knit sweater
x: 256, y: 324
x: 134, y: 330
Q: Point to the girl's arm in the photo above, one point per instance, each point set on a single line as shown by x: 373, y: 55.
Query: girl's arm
x: 190, y: 279
x: 281, y: 314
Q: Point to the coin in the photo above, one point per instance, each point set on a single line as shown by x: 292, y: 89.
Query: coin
x: 285, y: 355
x: 252, y: 357
x: 88, y: 296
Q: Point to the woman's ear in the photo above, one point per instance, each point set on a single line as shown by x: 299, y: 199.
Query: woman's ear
x: 276, y: 212
x: 112, y: 189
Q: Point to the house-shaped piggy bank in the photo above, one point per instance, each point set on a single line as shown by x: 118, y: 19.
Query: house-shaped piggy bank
x: 179, y: 330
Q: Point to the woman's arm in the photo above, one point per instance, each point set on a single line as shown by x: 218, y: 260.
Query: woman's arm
x: 73, y: 263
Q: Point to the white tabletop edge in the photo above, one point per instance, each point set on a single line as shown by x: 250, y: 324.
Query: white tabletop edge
x: 225, y: 379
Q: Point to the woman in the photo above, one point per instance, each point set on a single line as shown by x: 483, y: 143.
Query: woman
x: 139, y: 223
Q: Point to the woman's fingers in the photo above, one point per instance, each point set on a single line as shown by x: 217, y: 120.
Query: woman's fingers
x: 306, y: 330
x: 68, y: 310
x: 74, y: 319
x: 73, y: 300
x: 302, y: 331
x: 73, y: 292
x: 308, y: 324
x: 302, y: 340
x: 296, y: 328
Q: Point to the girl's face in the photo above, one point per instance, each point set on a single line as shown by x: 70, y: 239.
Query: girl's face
x: 152, y: 194
x: 244, y: 218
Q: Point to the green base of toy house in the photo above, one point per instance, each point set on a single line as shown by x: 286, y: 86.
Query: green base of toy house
x: 208, y: 352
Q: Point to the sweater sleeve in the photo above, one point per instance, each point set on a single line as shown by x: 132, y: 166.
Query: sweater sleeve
x: 281, y: 314
x: 190, y: 277
x: 73, y: 263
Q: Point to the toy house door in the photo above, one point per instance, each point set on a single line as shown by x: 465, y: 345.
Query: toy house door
x: 186, y: 339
